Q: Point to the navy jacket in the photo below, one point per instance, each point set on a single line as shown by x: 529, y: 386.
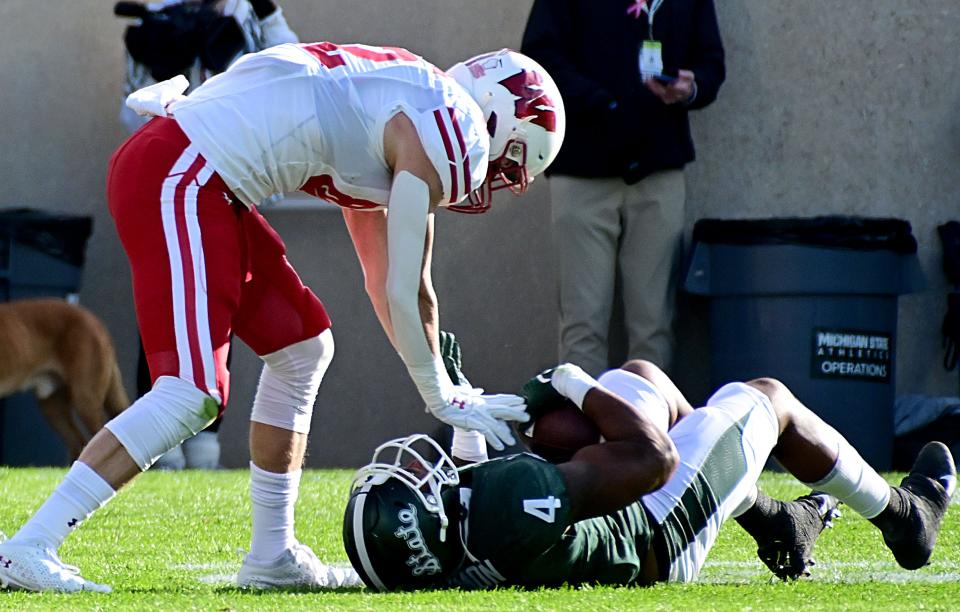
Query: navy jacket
x: 615, y: 125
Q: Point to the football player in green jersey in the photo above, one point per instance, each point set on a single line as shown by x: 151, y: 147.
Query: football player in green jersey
x: 641, y: 506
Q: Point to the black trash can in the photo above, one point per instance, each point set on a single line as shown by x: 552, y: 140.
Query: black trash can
x: 813, y: 303
x: 41, y: 255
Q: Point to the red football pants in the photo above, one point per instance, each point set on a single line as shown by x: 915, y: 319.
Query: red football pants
x: 203, y: 264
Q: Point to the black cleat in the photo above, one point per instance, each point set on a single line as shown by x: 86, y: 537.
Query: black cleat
x: 785, y: 544
x: 918, y: 506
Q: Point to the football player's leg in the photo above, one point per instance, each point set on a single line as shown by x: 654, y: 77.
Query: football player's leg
x: 909, y: 516
x: 649, y: 259
x: 723, y: 448
x: 586, y: 222
x: 288, y: 327
x: 817, y: 454
x: 676, y: 404
x: 185, y: 255
x: 786, y: 532
x: 284, y: 323
x: 153, y: 183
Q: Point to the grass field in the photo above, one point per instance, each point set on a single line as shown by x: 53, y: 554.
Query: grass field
x: 172, y: 541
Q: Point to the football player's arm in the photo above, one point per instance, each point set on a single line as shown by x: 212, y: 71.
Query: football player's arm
x: 635, y: 458
x: 368, y: 231
x: 396, y: 259
x: 407, y: 287
x: 402, y: 294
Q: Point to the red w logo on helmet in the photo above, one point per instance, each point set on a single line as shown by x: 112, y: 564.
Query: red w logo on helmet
x: 531, y: 100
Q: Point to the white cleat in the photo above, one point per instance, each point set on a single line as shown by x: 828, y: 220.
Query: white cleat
x: 343, y: 577
x: 297, y: 567
x: 33, y: 567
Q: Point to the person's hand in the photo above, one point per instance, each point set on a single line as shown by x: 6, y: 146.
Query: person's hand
x: 679, y: 90
x: 468, y: 409
x: 540, y: 394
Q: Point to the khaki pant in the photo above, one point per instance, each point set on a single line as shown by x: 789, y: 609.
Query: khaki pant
x: 602, y: 226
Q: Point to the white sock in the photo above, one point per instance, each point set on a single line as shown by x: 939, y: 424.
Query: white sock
x: 77, y: 496
x: 273, y: 497
x: 469, y: 445
x: 855, y: 483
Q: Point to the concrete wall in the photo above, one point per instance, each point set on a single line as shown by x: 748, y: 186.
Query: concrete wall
x: 829, y: 108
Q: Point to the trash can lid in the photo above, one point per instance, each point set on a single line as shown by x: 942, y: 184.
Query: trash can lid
x: 58, y: 235
x: 835, y: 231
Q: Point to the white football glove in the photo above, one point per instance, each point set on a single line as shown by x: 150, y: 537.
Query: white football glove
x: 467, y: 408
x: 156, y: 99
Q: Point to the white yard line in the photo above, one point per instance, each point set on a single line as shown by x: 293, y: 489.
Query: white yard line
x: 715, y: 572
x: 842, y: 572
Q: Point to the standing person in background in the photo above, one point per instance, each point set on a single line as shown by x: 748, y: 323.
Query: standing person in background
x: 629, y: 73
x: 197, y: 38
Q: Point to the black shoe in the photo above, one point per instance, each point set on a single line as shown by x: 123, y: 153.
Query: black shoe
x: 785, y: 545
x: 918, y: 506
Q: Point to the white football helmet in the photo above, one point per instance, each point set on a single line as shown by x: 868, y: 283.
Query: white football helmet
x: 525, y: 119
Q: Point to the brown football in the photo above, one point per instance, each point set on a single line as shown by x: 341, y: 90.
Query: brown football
x: 560, y: 433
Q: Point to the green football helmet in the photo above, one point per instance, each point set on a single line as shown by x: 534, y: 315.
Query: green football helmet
x: 396, y: 528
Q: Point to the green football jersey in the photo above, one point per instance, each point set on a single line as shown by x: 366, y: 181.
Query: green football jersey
x: 518, y: 531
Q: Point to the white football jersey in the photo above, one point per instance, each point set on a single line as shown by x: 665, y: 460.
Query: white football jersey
x: 311, y: 117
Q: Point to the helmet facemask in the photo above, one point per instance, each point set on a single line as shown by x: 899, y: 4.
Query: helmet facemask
x: 396, y: 529
x: 411, y: 468
x: 509, y: 171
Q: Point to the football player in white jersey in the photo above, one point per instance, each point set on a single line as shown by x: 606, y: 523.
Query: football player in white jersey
x: 368, y: 128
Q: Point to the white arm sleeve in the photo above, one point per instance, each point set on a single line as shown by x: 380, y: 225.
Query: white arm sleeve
x: 406, y: 232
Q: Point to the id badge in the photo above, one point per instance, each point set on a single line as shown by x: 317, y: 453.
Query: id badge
x: 651, y: 59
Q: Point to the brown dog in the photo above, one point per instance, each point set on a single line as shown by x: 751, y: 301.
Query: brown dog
x: 63, y: 353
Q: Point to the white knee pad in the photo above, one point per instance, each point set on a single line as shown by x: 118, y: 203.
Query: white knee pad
x: 167, y: 415
x: 289, y: 383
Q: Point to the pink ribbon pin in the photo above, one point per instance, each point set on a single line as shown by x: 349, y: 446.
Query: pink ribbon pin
x: 636, y: 8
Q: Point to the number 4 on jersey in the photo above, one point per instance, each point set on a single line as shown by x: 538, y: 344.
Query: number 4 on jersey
x: 544, y: 508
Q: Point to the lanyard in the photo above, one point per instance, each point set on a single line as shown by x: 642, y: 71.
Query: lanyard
x: 649, y: 8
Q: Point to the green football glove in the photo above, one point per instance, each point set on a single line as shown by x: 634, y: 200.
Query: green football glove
x: 452, y: 359
x: 540, y: 395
